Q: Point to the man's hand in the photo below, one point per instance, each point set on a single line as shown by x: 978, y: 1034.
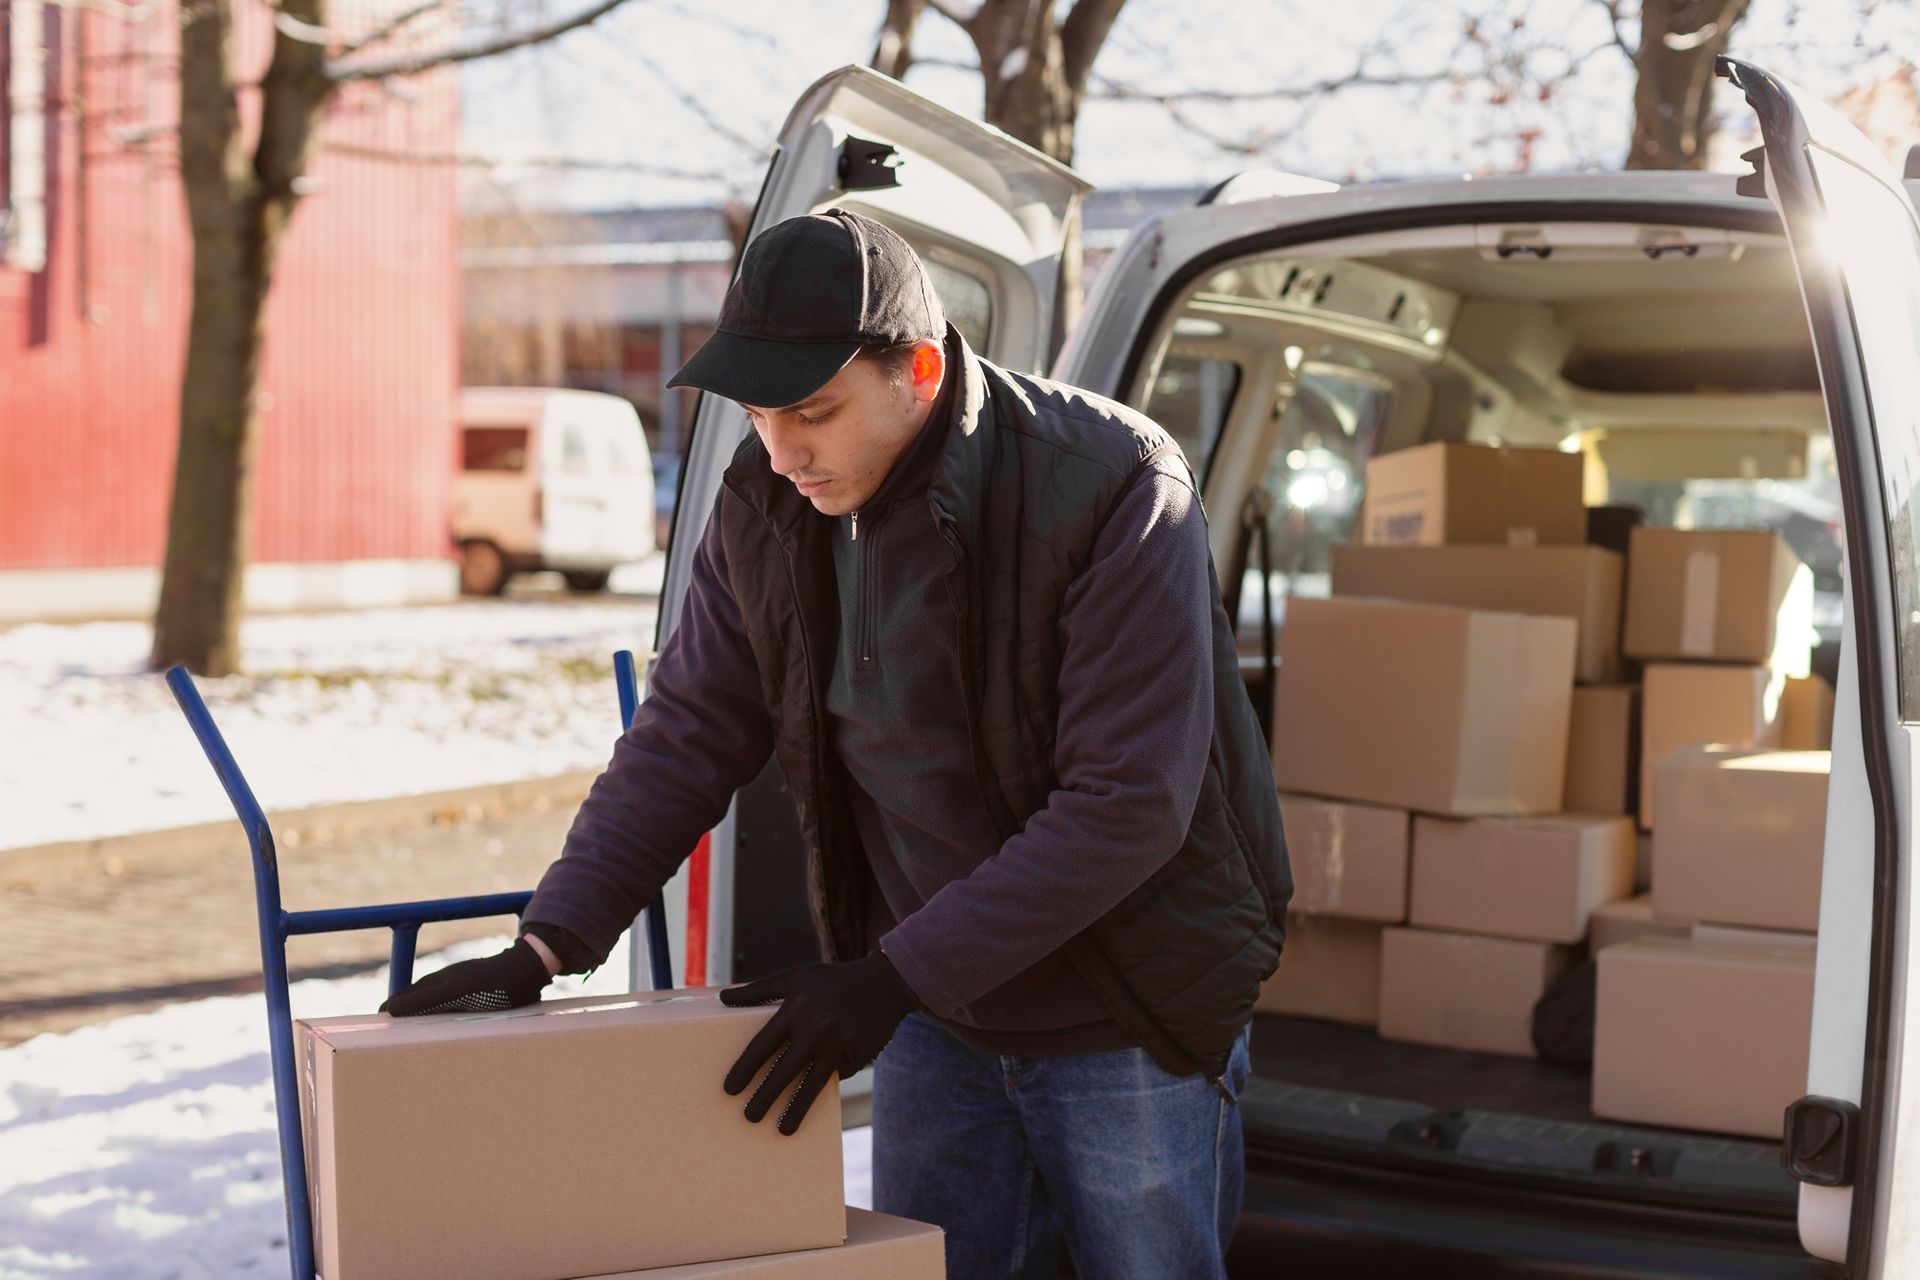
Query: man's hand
x: 832, y: 1018
x: 507, y: 980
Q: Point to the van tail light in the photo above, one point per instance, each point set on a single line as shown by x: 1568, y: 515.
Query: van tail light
x: 539, y: 504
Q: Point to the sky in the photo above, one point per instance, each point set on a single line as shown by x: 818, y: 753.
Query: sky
x: 695, y: 90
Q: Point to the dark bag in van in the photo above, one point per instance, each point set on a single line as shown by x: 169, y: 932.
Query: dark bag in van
x: 1563, y: 1018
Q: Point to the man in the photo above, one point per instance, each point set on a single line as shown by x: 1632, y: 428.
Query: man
x: 973, y: 615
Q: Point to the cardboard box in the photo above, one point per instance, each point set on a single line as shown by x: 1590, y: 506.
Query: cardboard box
x: 1806, y: 714
x: 1463, y: 991
x: 1631, y: 918
x: 1423, y: 707
x: 1711, y: 595
x: 1532, y: 878
x: 1684, y: 704
x: 1330, y: 969
x: 1447, y: 494
x: 1348, y: 859
x: 879, y: 1247
x: 1702, y: 1035
x: 1603, y: 739
x: 1582, y: 583
x: 1739, y: 836
x: 569, y: 1138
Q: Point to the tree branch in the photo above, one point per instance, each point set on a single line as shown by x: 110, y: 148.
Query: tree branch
x: 1081, y: 36
x: 391, y: 27
x: 1112, y: 90
x: 469, y: 160
x: 415, y: 64
x: 1614, y: 18
x: 964, y: 21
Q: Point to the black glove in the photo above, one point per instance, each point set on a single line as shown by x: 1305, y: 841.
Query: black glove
x: 832, y: 1018
x: 508, y: 980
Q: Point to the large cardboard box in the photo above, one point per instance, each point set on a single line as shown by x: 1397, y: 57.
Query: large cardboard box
x: 1806, y: 714
x: 1423, y: 707
x: 1712, y: 595
x: 1348, y: 859
x: 1603, y: 739
x: 1447, y: 494
x: 1684, y: 704
x: 879, y: 1247
x: 1582, y: 583
x: 1329, y: 969
x: 1532, y: 878
x: 1464, y: 991
x: 1631, y: 918
x: 1699, y: 1034
x: 1738, y: 836
x: 569, y: 1138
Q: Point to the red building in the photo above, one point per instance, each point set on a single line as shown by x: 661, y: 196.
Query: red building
x: 361, y: 363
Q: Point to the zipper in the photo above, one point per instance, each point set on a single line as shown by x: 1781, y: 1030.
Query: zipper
x: 868, y: 598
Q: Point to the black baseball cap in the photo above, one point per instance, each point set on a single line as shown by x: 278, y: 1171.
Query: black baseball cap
x: 811, y: 292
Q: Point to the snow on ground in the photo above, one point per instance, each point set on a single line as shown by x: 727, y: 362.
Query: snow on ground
x: 333, y: 706
x: 145, y: 1148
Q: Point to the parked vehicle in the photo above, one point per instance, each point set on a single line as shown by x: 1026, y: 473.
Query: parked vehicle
x: 1746, y: 346
x: 550, y: 478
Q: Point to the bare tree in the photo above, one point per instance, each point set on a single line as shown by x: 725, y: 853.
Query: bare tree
x: 1035, y: 63
x: 241, y: 195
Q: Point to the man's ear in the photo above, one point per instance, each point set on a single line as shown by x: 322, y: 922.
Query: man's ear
x: 927, y: 369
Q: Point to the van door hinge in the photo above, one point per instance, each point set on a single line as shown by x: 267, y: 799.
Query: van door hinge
x: 1821, y: 1134
x: 867, y: 165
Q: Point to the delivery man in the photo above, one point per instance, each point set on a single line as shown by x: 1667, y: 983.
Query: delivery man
x: 973, y: 615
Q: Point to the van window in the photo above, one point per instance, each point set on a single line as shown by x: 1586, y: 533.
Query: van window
x: 493, y: 449
x: 965, y: 298
x: 1316, y: 475
x: 576, y: 454
x: 1190, y: 399
x: 1804, y: 510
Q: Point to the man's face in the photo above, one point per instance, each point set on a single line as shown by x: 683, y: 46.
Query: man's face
x: 838, y: 444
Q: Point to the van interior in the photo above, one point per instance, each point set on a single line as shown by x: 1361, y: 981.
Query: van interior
x: 1677, y: 363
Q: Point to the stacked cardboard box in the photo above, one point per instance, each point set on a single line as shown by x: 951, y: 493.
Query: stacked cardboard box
x: 1433, y: 684
x: 1441, y: 679
x: 1349, y: 883
x: 625, y: 1154
x: 1697, y: 1025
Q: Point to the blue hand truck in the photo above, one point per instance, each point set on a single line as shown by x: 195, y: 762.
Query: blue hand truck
x: 403, y: 918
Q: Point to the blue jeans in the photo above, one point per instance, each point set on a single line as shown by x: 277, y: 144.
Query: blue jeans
x: 1141, y: 1172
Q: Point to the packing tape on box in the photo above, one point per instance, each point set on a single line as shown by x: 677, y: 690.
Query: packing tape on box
x: 1699, y: 602
x: 1336, y: 863
x: 1522, y: 536
x: 535, y: 1010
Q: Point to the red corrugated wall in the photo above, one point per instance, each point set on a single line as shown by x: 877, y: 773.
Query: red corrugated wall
x: 361, y: 363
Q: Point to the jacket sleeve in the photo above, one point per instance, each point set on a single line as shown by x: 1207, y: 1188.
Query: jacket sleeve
x: 1130, y: 752
x: 700, y: 734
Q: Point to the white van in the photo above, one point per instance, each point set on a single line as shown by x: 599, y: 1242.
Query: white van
x: 550, y: 478
x: 1717, y: 349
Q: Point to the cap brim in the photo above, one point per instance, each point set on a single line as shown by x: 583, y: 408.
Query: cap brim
x: 762, y: 372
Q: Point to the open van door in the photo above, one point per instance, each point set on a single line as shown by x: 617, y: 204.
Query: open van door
x: 988, y: 215
x: 1854, y: 1141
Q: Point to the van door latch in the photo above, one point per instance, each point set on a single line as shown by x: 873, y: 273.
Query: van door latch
x: 867, y: 165
x: 1821, y: 1134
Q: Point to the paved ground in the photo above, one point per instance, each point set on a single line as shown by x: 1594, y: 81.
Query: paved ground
x: 75, y: 950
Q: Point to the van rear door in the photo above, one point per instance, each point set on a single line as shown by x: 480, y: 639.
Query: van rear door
x: 1854, y: 1142
x: 988, y: 215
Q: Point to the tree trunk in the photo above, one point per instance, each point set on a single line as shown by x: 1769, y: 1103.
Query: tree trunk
x: 893, y: 50
x: 1673, y: 98
x: 238, y: 208
x: 1030, y: 95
